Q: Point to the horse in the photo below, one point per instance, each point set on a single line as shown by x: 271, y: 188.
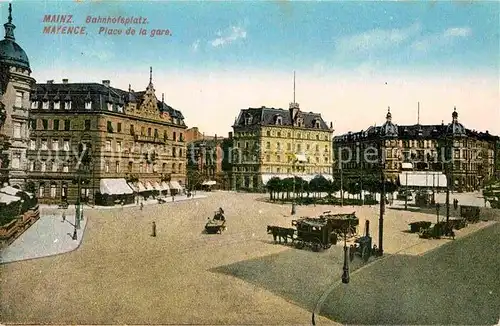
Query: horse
x: 286, y: 233
x: 274, y: 231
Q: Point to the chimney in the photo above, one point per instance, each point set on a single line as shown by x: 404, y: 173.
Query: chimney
x: 50, y: 81
x: 230, y: 135
x: 65, y: 81
x: 106, y: 83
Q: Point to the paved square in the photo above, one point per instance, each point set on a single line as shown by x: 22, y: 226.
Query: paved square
x: 120, y: 274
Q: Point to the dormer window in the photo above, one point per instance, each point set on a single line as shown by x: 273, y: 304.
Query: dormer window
x: 34, y: 105
x: 248, y: 120
x: 88, y: 105
x: 110, y: 106
x: 317, y: 124
x: 45, y: 105
x: 300, y: 122
x: 57, y: 105
x: 120, y: 108
x: 67, y: 105
x: 278, y: 120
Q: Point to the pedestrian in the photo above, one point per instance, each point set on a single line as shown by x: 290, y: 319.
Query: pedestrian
x: 153, y: 231
x: 63, y: 217
x: 173, y: 198
x: 142, y: 205
x: 74, y: 237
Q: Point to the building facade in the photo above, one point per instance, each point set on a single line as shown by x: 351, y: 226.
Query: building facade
x: 270, y: 142
x: 15, y: 87
x: 82, y: 133
x: 205, y: 158
x: 471, y: 155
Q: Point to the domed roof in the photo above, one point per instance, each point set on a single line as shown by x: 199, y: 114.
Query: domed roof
x: 10, y: 52
x: 389, y: 129
x: 455, y: 128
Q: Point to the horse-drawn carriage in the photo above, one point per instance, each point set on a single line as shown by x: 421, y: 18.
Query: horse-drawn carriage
x: 217, y: 224
x: 317, y: 232
x: 437, y: 231
x: 470, y: 213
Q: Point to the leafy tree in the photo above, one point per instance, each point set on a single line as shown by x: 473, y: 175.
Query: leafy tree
x: 274, y: 185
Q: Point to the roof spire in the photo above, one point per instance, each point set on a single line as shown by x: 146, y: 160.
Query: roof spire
x: 294, y: 86
x: 9, y: 27
x: 162, y: 98
x: 150, y: 75
x: 418, y: 113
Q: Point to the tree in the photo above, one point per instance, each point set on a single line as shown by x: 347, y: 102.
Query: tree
x: 273, y: 186
x: 194, y: 179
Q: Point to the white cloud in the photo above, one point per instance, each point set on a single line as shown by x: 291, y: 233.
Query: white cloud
x: 457, y: 32
x: 195, y: 45
x: 233, y: 34
x: 375, y: 40
x: 445, y: 38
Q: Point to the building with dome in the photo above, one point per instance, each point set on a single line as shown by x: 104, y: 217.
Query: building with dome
x: 419, y: 153
x: 15, y: 87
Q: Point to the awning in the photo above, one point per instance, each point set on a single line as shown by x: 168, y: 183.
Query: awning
x: 157, y: 186
x: 115, y: 187
x: 7, y: 199
x: 407, y: 166
x: 133, y: 187
x: 149, y: 186
x: 423, y: 179
x: 209, y: 183
x: 140, y: 187
x: 301, y: 158
x: 165, y: 186
x: 175, y: 185
x: 9, y: 190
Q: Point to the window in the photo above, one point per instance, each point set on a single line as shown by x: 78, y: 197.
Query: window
x: 45, y: 124
x: 165, y: 135
x: 110, y: 106
x: 66, y: 145
x: 17, y: 130
x: 268, y: 133
x: 174, y: 152
x: 268, y: 158
x: 132, y: 132
x: 117, y: 167
x: 67, y: 125
x: 164, y: 167
x: 180, y: 152
x: 16, y: 161
x: 279, y: 134
x: 130, y: 166
x: 278, y: 158
x: 55, y: 144
x: 54, y: 166
x: 288, y: 146
x: 180, y: 167
x: 174, y: 136
x: 32, y: 145
x: 43, y: 166
x: 110, y: 127
x: 180, y: 137
x: 118, y: 146
x: 268, y: 145
x: 246, y: 144
x: 34, y: 105
x: 119, y: 127
x: 32, y: 124
x: 55, y: 124
x: 41, y: 190
x: 53, y: 190
x: 45, y: 105
x: 278, y: 146
x: 317, y: 148
x: 57, y: 105
x: 19, y: 99
x: 65, y: 168
x: 31, y: 165
x: 88, y: 105
x: 67, y: 105
x: 106, y: 167
x: 108, y: 145
x: 149, y: 132
x: 317, y: 137
x: 142, y: 131
x: 173, y: 167
x: 43, y: 144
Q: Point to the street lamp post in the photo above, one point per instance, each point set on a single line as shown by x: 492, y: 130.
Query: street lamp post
x: 382, y: 200
x: 345, y: 269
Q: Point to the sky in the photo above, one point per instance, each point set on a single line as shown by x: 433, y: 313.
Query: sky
x: 352, y: 59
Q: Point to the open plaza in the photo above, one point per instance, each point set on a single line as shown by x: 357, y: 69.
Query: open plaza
x: 120, y: 274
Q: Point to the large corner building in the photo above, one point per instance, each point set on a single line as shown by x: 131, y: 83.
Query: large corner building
x: 270, y: 142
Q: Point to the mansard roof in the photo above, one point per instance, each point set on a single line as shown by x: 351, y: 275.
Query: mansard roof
x: 98, y: 94
x: 265, y: 116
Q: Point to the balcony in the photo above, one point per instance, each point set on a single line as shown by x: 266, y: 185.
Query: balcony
x: 148, y: 139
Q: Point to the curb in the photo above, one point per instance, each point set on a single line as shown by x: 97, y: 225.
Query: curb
x: 336, y: 284
x: 52, y: 255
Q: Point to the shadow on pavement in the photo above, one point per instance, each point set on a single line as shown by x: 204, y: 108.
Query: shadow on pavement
x: 455, y: 284
x: 299, y: 276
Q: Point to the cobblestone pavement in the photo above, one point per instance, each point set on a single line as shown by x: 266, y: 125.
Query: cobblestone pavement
x: 48, y: 236
x: 121, y: 274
